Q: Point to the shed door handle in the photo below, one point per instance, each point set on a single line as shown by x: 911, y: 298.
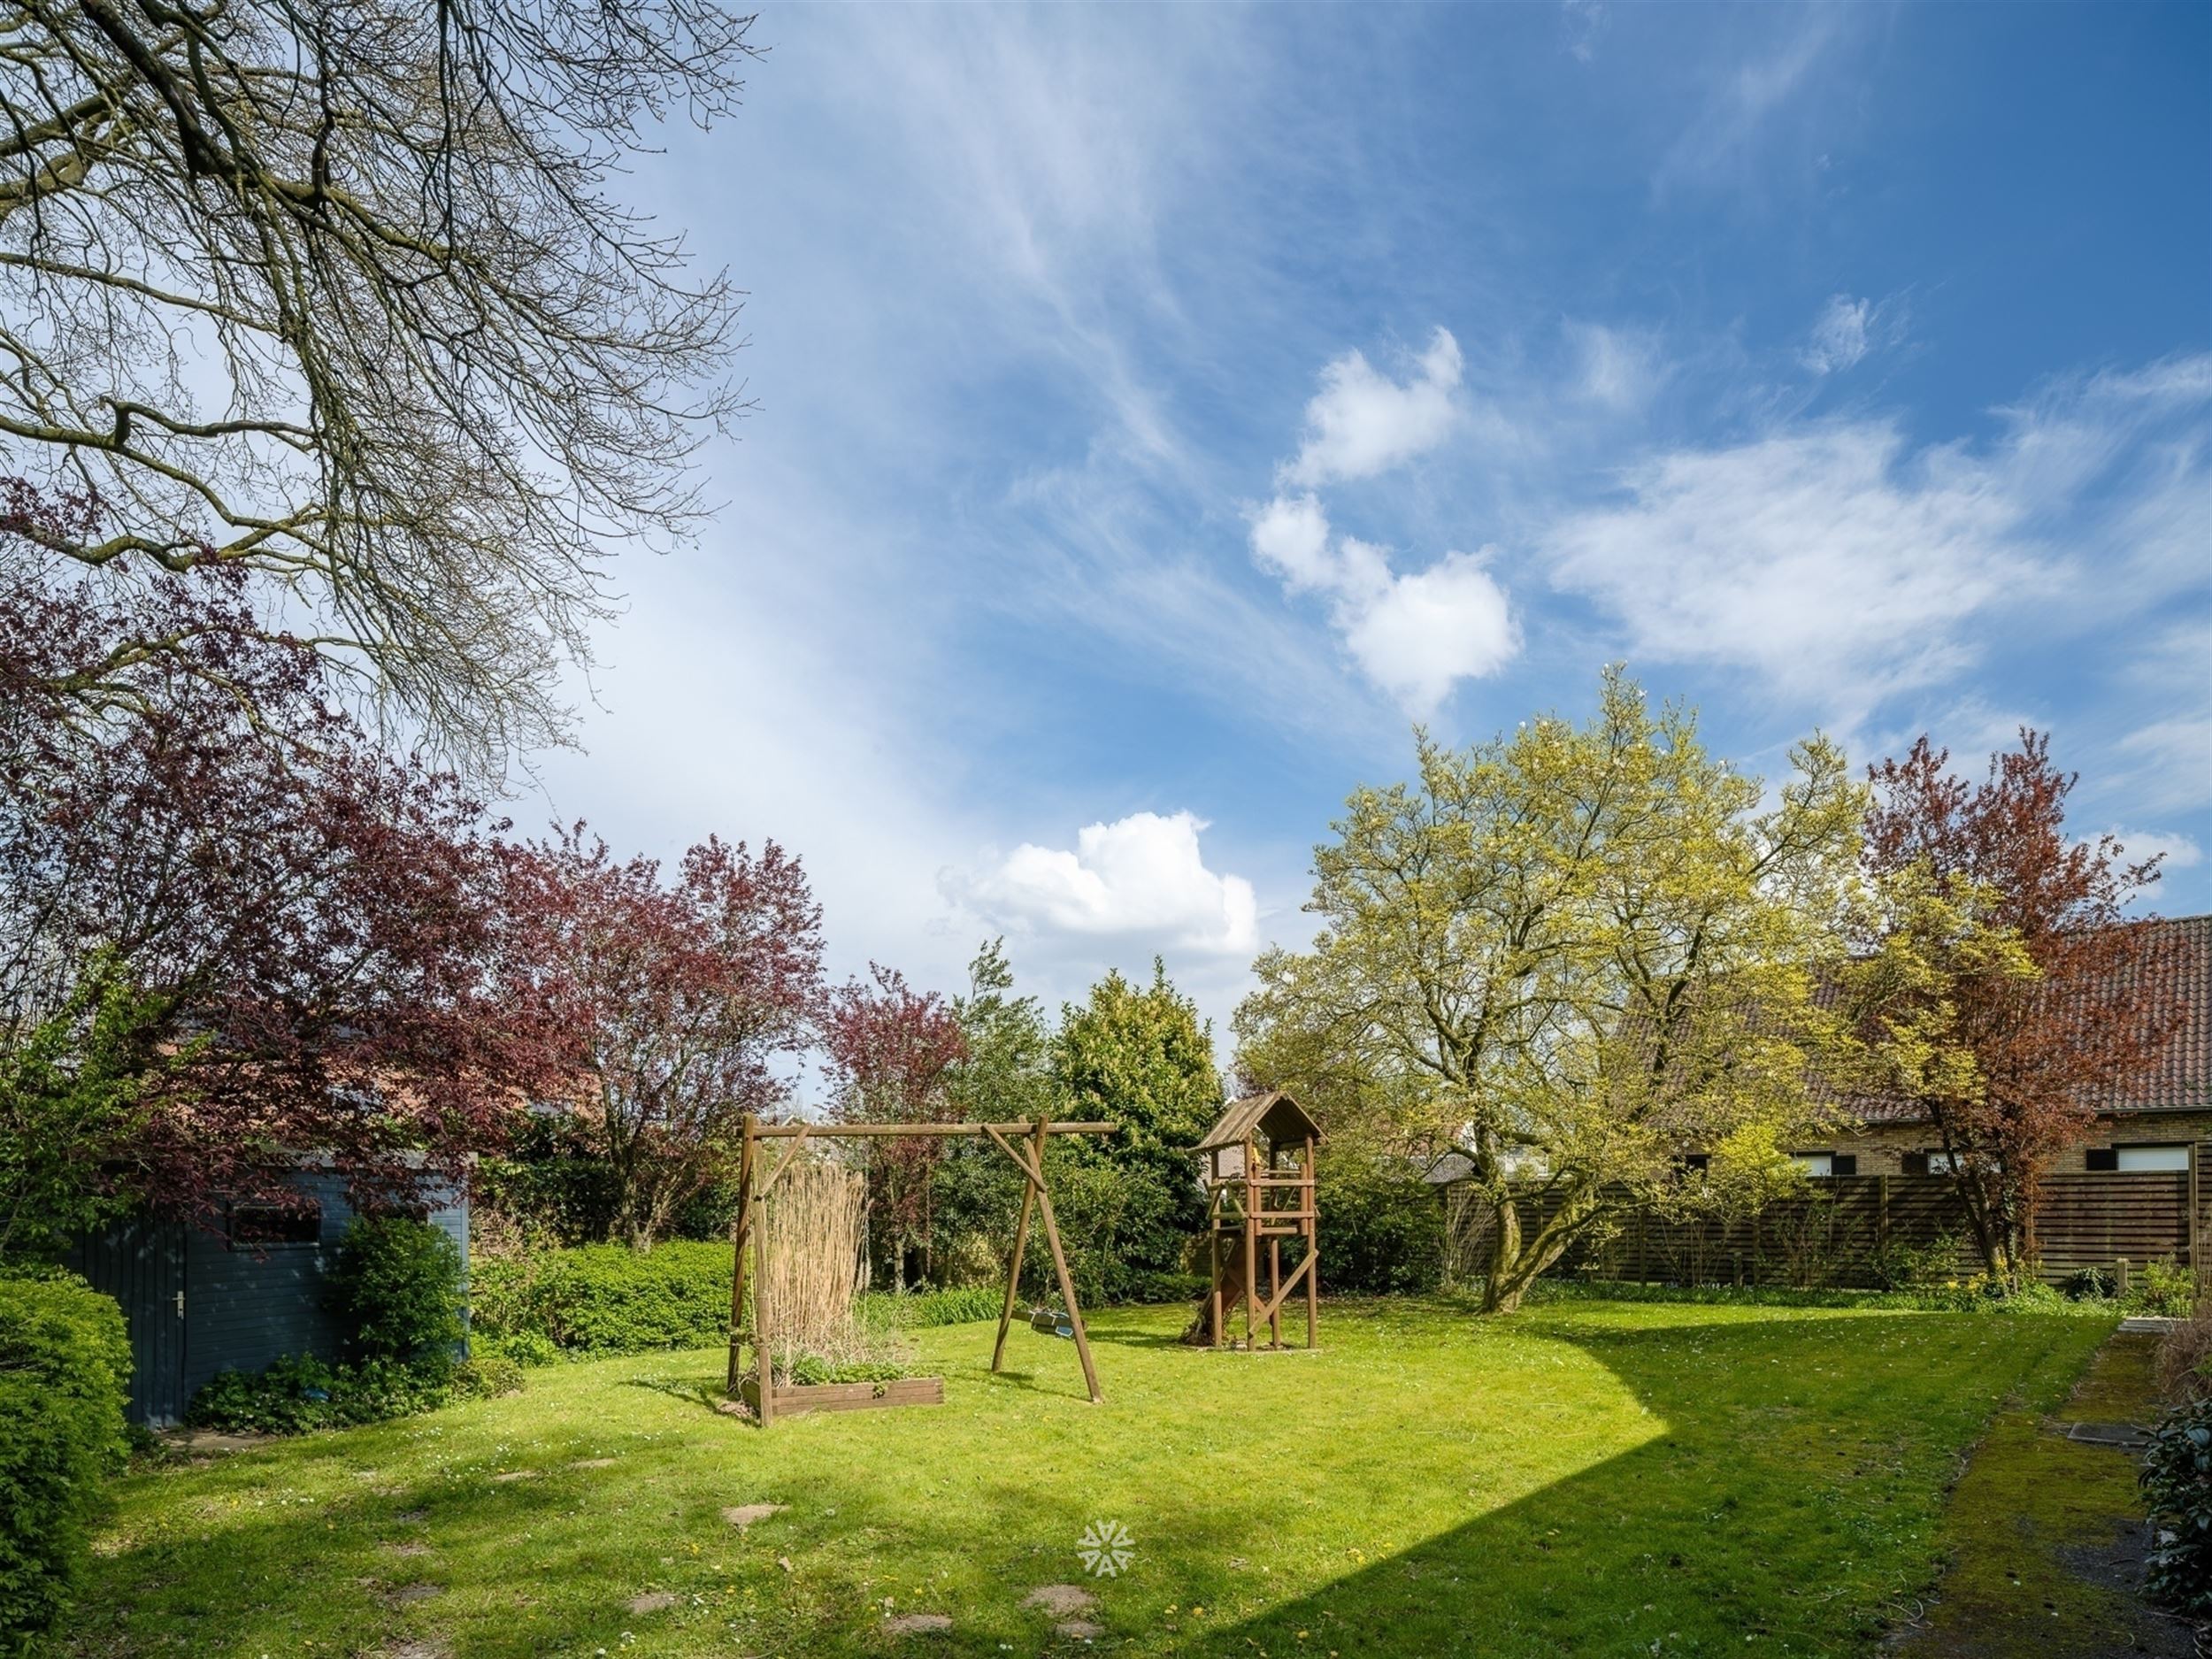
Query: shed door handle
x: 180, y: 1304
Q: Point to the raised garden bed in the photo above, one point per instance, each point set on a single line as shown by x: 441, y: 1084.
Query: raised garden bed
x: 849, y: 1396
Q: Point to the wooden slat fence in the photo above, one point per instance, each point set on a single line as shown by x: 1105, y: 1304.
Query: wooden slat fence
x: 1858, y: 1232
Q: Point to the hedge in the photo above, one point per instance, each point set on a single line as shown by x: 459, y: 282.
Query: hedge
x: 64, y: 1380
x: 602, y: 1299
x: 598, y: 1299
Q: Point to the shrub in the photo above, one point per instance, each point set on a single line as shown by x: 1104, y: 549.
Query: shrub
x: 2178, y: 1487
x: 917, y: 1311
x: 528, y: 1350
x: 2088, y: 1283
x: 486, y: 1377
x: 295, y: 1394
x: 607, y: 1298
x: 64, y: 1377
x: 2163, y: 1289
x: 2185, y: 1357
x: 1382, y: 1225
x: 395, y: 1288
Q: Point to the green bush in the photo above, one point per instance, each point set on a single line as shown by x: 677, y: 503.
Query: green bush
x: 607, y: 1298
x: 812, y: 1368
x: 919, y: 1310
x: 528, y: 1350
x: 2163, y: 1290
x: 2088, y: 1283
x: 2178, y: 1487
x: 1897, y: 1263
x: 65, y: 1379
x: 296, y: 1394
x: 1381, y: 1224
x: 395, y: 1288
x: 487, y: 1377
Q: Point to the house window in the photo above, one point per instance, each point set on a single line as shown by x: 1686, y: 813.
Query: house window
x: 1694, y: 1162
x: 1821, y: 1165
x: 276, y: 1223
x: 2172, y: 1157
x: 1943, y: 1164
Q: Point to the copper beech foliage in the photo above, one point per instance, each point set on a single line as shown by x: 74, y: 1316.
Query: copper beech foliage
x: 677, y: 1003
x: 2046, y: 1047
x: 891, y: 1051
x: 312, y: 933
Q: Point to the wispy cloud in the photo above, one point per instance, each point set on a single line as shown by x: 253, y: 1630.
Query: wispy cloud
x: 1843, y: 564
x: 1839, y: 338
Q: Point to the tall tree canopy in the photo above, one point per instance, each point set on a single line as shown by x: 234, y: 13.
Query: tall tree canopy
x: 1140, y: 1056
x: 1572, y: 956
x: 338, y: 292
x: 674, y: 999
x: 2027, y: 978
x: 891, y: 1051
x: 234, y: 932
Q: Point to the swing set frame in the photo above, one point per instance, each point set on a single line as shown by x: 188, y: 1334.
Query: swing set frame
x: 1023, y: 1142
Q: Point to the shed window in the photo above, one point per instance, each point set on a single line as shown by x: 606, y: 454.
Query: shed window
x: 2173, y: 1157
x: 276, y: 1223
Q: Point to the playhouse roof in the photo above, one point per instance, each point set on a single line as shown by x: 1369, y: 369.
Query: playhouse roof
x: 1273, y: 1117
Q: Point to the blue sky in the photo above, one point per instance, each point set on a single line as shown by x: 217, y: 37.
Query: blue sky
x: 1161, y: 410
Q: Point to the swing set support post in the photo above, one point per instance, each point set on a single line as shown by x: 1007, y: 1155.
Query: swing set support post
x: 1021, y: 1243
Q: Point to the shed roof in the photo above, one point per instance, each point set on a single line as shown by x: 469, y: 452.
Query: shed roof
x: 1273, y: 1117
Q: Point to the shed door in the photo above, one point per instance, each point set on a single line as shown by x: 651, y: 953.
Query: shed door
x: 141, y: 1265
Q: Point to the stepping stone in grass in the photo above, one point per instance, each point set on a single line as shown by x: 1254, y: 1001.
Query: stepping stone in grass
x: 1061, y: 1601
x: 652, y: 1601
x: 744, y: 1515
x: 592, y: 1463
x: 407, y: 1594
x: 1080, y: 1629
x: 917, y: 1623
x: 517, y: 1474
x: 419, y: 1650
x: 408, y: 1547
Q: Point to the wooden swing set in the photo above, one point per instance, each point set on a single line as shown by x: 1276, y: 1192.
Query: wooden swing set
x: 769, y: 1398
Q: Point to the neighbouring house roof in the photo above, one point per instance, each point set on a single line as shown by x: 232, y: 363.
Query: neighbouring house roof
x: 1273, y: 1117
x: 2174, y: 967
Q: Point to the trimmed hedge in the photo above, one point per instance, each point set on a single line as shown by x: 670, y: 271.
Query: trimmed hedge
x: 600, y: 1299
x: 64, y: 1380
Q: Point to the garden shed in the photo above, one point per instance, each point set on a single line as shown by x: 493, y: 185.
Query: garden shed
x: 198, y: 1302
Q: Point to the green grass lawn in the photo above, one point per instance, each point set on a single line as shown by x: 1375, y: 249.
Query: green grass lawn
x: 1587, y: 1477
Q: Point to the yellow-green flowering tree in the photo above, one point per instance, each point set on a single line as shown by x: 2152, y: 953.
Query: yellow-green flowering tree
x: 1573, y: 955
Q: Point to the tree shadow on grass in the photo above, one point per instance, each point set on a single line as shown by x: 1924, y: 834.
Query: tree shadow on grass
x: 1787, y: 1501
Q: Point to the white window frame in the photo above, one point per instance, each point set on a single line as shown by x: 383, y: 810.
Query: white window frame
x: 1819, y: 1165
x: 1944, y: 1162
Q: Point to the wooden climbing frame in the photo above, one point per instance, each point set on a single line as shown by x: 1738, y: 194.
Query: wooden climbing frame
x: 749, y: 1235
x: 1259, y: 1188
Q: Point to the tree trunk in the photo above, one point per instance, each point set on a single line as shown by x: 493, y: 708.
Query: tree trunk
x: 1505, y: 1255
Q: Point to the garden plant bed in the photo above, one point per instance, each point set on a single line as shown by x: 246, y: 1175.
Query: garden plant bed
x: 849, y: 1396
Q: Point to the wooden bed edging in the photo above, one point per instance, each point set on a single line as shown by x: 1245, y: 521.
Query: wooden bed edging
x: 849, y: 1396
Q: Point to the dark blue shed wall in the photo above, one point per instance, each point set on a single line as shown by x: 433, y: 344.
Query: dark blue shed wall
x: 240, y: 1309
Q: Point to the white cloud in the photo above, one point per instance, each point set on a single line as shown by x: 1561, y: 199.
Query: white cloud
x: 1361, y: 423
x: 1420, y: 633
x: 1845, y: 565
x: 1144, y: 875
x: 1839, y: 338
x: 2181, y: 852
x: 1291, y: 538
x: 1413, y: 635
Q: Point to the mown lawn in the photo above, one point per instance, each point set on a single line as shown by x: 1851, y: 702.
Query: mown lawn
x: 1589, y: 1478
